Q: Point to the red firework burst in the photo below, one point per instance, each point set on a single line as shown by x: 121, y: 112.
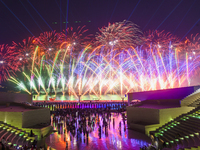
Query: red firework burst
x: 159, y: 39
x: 120, y: 35
x: 25, y: 50
x: 77, y: 39
x: 49, y: 42
x: 192, y: 44
x: 8, y: 62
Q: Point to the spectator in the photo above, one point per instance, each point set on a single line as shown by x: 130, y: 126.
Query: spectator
x: 31, y: 133
x: 25, y: 147
x: 0, y: 146
x: 3, y: 141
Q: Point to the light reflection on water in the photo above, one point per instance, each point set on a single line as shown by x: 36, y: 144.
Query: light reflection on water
x: 116, y: 139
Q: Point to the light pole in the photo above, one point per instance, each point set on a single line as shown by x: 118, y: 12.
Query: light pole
x: 123, y: 99
x: 79, y: 98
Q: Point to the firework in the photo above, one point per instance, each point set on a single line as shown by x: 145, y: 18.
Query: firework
x: 113, y: 73
x: 160, y: 40
x: 25, y: 50
x: 49, y: 43
x: 119, y: 35
x: 8, y: 62
x: 192, y: 44
x: 75, y: 40
x: 71, y: 63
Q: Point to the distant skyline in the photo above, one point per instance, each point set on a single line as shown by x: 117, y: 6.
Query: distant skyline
x: 21, y: 19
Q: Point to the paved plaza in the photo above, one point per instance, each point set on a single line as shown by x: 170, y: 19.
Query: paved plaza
x: 115, y: 138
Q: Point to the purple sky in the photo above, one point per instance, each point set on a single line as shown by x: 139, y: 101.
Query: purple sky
x: 20, y: 19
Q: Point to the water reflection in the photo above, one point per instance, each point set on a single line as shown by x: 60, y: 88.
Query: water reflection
x: 114, y: 136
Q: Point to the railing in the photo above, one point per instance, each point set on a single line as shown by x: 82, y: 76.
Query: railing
x: 89, y: 105
x: 190, y: 99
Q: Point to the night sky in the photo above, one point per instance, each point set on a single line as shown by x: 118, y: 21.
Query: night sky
x: 20, y: 19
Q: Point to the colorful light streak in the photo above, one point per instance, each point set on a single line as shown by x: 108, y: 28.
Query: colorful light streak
x: 116, y: 72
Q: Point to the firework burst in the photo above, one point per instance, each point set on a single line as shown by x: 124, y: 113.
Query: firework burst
x: 25, y: 50
x: 112, y: 73
x: 159, y: 40
x: 192, y: 44
x: 75, y: 40
x: 8, y: 62
x: 73, y: 63
x: 119, y: 35
x: 49, y: 43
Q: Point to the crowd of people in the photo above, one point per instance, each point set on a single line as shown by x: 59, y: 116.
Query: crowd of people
x: 79, y: 123
x: 157, y: 144
x: 83, y: 121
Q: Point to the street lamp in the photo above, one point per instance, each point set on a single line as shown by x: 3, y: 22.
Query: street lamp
x: 79, y: 98
x: 123, y: 99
